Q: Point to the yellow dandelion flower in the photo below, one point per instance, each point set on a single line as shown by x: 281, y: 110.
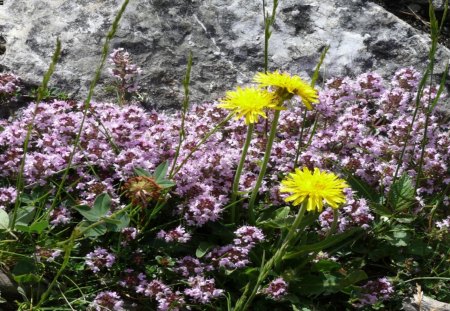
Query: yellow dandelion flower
x: 315, y: 187
x: 249, y: 103
x: 292, y: 85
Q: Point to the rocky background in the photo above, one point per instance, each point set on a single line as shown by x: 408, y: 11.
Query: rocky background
x: 226, y: 38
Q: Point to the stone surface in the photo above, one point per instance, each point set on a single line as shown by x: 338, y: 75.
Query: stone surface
x: 438, y: 4
x: 424, y: 303
x: 226, y: 38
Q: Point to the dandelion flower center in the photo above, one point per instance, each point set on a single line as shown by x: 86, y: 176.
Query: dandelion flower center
x: 249, y: 103
x: 289, y: 85
x: 315, y: 187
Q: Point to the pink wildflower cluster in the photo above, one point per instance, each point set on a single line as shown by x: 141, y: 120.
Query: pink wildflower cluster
x: 107, y: 300
x: 178, y: 234
x: 166, y: 299
x: 129, y: 234
x: 7, y: 196
x: 46, y: 254
x: 374, y: 291
x: 202, y: 290
x: 200, y: 287
x: 60, y: 215
x: 444, y: 224
x: 235, y: 255
x: 362, y: 127
x: 355, y: 213
x: 100, y: 258
x: 9, y: 84
x: 132, y: 279
x: 276, y: 289
x: 124, y: 71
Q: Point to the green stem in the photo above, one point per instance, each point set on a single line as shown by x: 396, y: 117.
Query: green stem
x: 182, y: 133
x: 243, y: 303
x: 87, y: 102
x: 237, y: 176
x: 262, y: 172
x: 299, y: 145
x: 41, y: 93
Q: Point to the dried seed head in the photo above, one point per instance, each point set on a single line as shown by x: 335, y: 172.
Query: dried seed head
x: 141, y: 190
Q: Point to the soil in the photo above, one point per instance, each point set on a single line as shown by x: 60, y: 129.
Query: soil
x: 417, y: 16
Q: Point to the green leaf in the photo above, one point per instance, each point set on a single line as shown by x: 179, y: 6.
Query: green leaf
x: 363, y: 189
x: 25, y: 215
x: 24, y: 267
x: 401, y: 238
x: 27, y: 278
x: 401, y: 194
x: 101, y: 207
x: 4, y: 220
x: 161, y: 171
x: 37, y: 227
x: 117, y: 224
x: 141, y: 172
x: 202, y: 249
x: 96, y: 231
x: 279, y: 218
x: 326, y: 266
x: 165, y: 183
x: 102, y: 204
x: 328, y: 242
x: 352, y: 278
x: 420, y: 248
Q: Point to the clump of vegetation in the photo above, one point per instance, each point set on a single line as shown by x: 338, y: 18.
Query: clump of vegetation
x: 341, y: 203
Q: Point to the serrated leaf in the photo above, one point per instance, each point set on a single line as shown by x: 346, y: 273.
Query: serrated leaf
x: 4, y: 220
x: 139, y: 171
x: 161, y: 171
x: 401, y: 194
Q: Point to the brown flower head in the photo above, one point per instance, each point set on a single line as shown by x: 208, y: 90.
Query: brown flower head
x: 141, y: 190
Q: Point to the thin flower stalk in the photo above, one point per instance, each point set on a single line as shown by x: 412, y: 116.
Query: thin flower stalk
x: 262, y: 172
x: 250, y: 292
x: 41, y: 92
x: 285, y: 87
x: 313, y: 82
x: 68, y: 245
x: 237, y: 176
x: 182, y: 134
x: 310, y: 189
x: 87, y: 102
x: 435, y: 31
x: 201, y: 142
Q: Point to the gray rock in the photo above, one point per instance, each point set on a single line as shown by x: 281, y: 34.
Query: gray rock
x: 438, y: 4
x: 226, y: 38
x: 424, y: 303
